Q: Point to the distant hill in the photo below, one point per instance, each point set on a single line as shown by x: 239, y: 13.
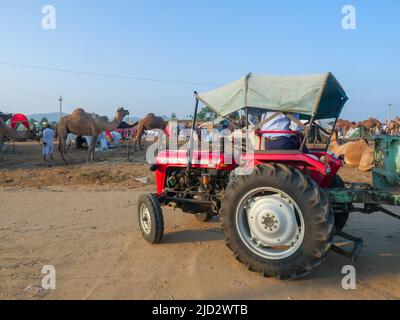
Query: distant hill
x: 51, y: 117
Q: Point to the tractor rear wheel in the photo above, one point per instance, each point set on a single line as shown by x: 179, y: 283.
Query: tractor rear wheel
x: 277, y: 221
x: 150, y: 216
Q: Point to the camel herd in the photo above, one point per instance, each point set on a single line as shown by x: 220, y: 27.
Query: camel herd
x: 356, y: 153
x: 359, y: 153
x: 79, y: 122
x: 372, y: 125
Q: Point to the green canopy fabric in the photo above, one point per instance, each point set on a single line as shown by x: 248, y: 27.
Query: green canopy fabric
x: 320, y: 95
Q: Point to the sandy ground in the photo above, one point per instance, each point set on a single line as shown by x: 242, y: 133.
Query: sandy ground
x: 25, y: 168
x: 87, y: 229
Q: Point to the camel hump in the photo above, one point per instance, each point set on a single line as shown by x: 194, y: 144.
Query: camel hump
x: 77, y: 115
x: 78, y: 111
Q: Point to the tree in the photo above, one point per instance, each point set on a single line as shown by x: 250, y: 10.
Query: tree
x: 173, y: 116
x: 206, y: 114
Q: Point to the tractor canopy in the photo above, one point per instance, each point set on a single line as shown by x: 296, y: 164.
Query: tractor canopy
x: 319, y: 96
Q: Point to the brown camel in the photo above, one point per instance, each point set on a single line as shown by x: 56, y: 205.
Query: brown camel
x: 19, y: 135
x: 393, y: 127
x: 344, y: 126
x: 371, y: 124
x: 357, y: 153
x: 149, y: 122
x: 82, y: 123
x: 397, y: 120
x: 7, y: 132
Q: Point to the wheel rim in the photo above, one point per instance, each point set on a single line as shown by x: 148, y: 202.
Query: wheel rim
x: 145, y: 218
x: 270, y: 223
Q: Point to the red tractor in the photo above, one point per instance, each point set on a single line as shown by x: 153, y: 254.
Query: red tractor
x: 275, y: 207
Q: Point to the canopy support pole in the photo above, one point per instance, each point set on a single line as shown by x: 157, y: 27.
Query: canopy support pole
x: 191, y: 139
x: 247, y: 118
x: 330, y: 137
x: 306, y: 134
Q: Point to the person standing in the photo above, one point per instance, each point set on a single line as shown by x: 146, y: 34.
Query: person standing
x: 48, y: 139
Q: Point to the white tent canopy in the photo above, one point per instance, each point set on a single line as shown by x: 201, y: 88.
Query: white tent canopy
x: 319, y: 95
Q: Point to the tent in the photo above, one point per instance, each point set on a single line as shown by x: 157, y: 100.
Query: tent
x: 17, y: 119
x: 317, y: 95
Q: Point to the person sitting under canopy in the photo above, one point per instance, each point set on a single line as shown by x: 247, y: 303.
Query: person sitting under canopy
x: 280, y: 140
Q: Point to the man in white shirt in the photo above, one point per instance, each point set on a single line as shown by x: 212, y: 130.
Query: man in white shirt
x: 48, y: 138
x: 280, y: 141
x: 103, y: 141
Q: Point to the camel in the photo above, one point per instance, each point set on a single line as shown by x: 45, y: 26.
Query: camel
x: 15, y: 135
x: 372, y: 124
x: 393, y: 127
x: 20, y: 135
x: 82, y: 123
x: 344, y: 126
x: 397, y: 121
x: 149, y: 122
x: 357, y: 153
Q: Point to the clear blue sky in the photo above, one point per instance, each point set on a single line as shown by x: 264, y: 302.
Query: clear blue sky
x: 197, y: 41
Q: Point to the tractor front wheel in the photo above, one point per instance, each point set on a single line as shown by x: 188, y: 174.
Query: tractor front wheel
x: 151, y: 221
x: 277, y: 221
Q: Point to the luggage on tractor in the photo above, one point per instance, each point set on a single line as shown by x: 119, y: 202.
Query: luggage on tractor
x: 280, y: 209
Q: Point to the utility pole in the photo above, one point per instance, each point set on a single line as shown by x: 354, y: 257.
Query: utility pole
x: 60, y: 99
x: 389, y: 112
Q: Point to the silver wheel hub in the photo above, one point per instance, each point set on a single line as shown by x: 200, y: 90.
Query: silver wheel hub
x: 272, y: 221
x: 145, y: 219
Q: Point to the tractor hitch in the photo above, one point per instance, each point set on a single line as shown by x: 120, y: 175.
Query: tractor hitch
x: 355, y: 251
x: 371, y: 208
x: 389, y: 213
